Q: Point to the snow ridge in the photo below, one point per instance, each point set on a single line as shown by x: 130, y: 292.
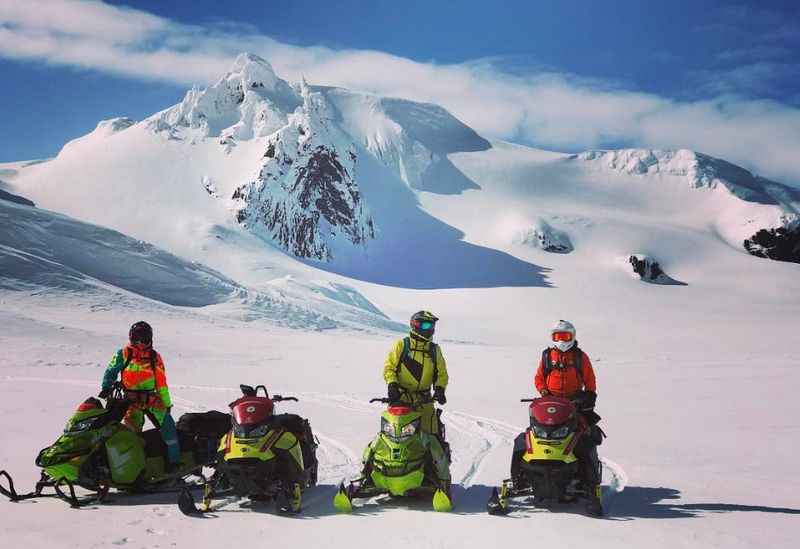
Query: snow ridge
x: 700, y: 170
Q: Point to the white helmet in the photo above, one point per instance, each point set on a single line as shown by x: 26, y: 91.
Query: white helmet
x: 563, y: 342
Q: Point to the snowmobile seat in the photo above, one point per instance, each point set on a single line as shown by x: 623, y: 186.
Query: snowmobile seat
x: 210, y: 424
x: 291, y: 422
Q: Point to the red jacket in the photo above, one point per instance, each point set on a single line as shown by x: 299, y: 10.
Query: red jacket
x: 564, y: 382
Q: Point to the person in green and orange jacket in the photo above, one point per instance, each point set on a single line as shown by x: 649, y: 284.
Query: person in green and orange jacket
x: 142, y: 371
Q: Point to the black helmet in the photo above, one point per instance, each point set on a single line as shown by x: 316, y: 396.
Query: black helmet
x: 423, y: 324
x: 141, y: 332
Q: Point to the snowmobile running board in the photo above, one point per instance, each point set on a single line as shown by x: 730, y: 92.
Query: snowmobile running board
x: 57, y: 485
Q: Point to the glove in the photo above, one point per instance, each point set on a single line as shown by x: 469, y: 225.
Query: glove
x: 393, y: 392
x: 104, y: 393
x: 589, y: 400
x: 438, y: 395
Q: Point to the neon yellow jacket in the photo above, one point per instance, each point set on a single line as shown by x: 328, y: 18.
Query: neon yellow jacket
x: 411, y: 376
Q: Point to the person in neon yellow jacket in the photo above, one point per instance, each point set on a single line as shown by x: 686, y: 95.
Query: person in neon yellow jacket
x: 142, y: 371
x: 414, y: 366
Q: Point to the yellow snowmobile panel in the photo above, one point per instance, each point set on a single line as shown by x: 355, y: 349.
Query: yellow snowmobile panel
x: 550, y: 450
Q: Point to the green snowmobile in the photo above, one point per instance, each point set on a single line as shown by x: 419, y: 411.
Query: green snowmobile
x: 97, y: 452
x: 399, y: 461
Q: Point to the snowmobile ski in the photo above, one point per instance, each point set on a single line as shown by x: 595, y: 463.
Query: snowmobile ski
x: 442, y: 502
x: 342, y: 501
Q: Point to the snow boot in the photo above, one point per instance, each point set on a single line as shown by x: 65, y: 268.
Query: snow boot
x: 594, y: 506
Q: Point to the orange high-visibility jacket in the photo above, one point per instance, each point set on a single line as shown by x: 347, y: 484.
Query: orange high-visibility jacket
x: 141, y: 373
x: 564, y: 382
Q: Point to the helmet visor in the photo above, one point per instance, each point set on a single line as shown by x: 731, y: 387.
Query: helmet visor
x: 562, y: 336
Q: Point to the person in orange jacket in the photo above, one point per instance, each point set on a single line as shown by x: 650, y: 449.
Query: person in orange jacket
x: 566, y: 371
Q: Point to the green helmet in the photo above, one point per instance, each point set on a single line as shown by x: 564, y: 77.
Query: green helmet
x: 423, y: 324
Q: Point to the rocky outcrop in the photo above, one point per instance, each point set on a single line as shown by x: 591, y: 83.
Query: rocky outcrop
x: 16, y: 199
x: 648, y: 270
x: 780, y: 244
x: 545, y: 237
x: 305, y: 198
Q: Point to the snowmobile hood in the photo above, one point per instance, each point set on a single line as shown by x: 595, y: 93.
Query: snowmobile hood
x: 252, y: 410
x: 551, y: 410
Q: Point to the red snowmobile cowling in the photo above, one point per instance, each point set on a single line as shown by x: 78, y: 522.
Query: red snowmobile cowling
x: 251, y: 410
x: 552, y: 410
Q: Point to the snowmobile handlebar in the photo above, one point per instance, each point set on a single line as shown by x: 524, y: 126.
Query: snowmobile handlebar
x: 424, y: 399
x: 582, y: 400
x: 279, y: 398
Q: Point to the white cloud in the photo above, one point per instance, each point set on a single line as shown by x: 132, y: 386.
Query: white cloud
x: 550, y: 109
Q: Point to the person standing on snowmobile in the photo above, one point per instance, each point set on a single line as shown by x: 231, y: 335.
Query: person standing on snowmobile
x: 566, y: 371
x: 413, y: 366
x: 142, y: 371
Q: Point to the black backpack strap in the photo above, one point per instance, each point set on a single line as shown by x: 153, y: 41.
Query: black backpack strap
x: 547, y: 364
x: 127, y: 361
x: 579, y: 364
x: 433, y: 351
x: 403, y: 354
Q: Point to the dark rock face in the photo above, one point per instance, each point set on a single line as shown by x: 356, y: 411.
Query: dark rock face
x: 305, y: 197
x: 780, y: 244
x: 650, y: 271
x: 15, y: 198
x: 303, y: 203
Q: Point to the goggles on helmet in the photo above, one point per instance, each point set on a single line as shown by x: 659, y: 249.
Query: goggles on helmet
x: 562, y: 336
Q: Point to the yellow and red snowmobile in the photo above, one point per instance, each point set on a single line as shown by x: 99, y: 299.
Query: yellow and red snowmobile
x: 264, y: 457
x: 545, y: 466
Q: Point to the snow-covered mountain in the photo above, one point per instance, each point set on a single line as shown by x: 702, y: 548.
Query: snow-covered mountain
x: 334, y: 176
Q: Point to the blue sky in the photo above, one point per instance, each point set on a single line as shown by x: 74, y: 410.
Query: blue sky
x: 556, y: 74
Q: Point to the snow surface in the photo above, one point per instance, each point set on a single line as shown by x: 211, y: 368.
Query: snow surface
x: 697, y: 383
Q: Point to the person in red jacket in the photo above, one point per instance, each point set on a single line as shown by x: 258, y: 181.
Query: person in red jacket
x: 566, y: 371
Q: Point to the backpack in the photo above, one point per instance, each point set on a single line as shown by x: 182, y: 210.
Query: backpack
x: 547, y: 364
x: 432, y: 352
x: 153, y: 355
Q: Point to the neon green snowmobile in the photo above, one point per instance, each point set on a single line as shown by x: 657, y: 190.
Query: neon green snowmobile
x: 97, y: 452
x: 399, y: 462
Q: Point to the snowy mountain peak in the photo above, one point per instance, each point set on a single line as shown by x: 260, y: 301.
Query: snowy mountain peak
x: 700, y: 170
x: 249, y: 101
x: 254, y: 71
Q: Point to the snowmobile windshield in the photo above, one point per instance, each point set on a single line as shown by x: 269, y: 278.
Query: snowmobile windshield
x: 552, y: 432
